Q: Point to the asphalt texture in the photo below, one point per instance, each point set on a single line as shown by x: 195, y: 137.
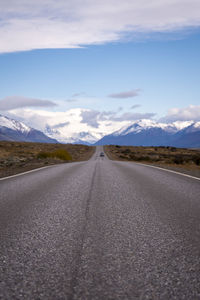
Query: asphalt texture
x: 100, y: 229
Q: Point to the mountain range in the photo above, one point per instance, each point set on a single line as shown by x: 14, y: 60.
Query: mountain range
x: 151, y: 133
x: 62, y: 134
x: 143, y: 132
x: 12, y: 130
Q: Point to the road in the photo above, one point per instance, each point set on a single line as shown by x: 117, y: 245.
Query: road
x: 100, y: 230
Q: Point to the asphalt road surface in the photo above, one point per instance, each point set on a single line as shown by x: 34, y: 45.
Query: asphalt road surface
x: 100, y: 230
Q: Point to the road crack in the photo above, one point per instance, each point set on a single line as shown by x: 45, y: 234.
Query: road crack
x: 78, y: 259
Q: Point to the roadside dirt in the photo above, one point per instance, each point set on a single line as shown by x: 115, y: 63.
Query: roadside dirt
x: 181, y: 160
x: 18, y: 157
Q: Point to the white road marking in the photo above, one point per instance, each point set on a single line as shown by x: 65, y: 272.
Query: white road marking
x: 167, y: 170
x: 20, y: 174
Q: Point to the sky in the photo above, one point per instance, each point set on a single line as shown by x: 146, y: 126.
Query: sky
x: 96, y: 65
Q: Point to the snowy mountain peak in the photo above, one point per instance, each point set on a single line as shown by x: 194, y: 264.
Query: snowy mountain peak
x: 145, y: 124
x: 12, y: 130
x: 151, y: 133
x: 14, y: 125
x: 179, y: 125
x: 197, y: 125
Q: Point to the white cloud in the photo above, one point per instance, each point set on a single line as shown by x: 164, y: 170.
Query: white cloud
x: 35, y: 24
x: 40, y: 118
x: 15, y: 102
x: 74, y: 122
x: 190, y: 113
x: 90, y: 117
x: 134, y: 116
x: 70, y: 123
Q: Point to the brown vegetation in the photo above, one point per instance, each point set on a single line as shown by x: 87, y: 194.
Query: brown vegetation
x: 180, y: 159
x: 17, y: 157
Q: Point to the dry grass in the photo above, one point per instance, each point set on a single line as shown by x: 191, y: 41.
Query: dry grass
x: 16, y: 157
x: 180, y: 159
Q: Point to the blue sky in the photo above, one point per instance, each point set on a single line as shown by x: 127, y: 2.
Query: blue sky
x: 166, y: 72
x: 156, y: 63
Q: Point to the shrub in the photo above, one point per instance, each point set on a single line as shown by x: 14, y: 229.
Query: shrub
x: 43, y: 155
x: 196, y: 160
x: 60, y: 154
x: 145, y: 158
x: 173, y: 149
x: 140, y: 158
x: 178, y: 159
x: 133, y: 157
x: 122, y: 156
x: 126, y: 151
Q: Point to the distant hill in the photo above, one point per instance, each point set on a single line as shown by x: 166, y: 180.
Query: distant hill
x: 12, y: 130
x: 151, y: 133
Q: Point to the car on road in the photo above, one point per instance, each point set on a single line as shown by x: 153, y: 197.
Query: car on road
x: 101, y: 154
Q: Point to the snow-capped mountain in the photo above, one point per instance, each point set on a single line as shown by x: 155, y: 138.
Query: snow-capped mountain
x: 13, y: 124
x: 151, y: 133
x: 146, y: 124
x: 64, y: 134
x: 188, y: 137
x: 140, y: 133
x: 12, y: 130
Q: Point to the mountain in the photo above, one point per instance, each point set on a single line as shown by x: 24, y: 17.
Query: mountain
x: 151, y: 133
x: 64, y: 134
x: 12, y: 130
x: 140, y: 133
x: 188, y: 137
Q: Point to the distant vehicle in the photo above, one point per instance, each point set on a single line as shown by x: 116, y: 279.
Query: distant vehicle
x: 102, y: 154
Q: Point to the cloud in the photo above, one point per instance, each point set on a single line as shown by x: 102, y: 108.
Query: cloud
x: 96, y: 123
x: 35, y: 24
x: 94, y: 118
x: 31, y: 118
x: 135, y: 106
x: 133, y: 116
x: 71, y: 100
x: 90, y: 117
x: 76, y: 97
x: 78, y: 120
x: 124, y: 95
x: 79, y: 95
x: 15, y: 102
x: 190, y: 113
x: 120, y: 108
x: 40, y: 118
x: 60, y: 125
